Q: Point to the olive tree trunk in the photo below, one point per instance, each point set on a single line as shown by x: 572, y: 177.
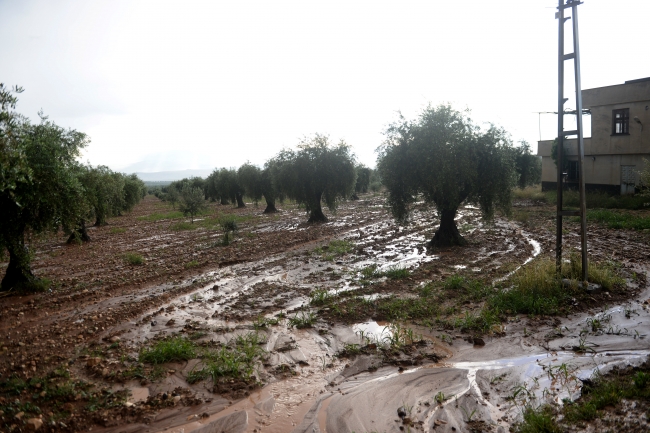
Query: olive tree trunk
x: 316, y: 214
x: 19, y: 273
x: 447, y: 234
x: 240, y: 200
x: 270, y: 205
x: 79, y: 234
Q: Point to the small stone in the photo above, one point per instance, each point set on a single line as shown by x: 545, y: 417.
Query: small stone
x: 191, y: 417
x: 91, y: 362
x: 128, y: 404
x: 105, y: 372
x: 205, y: 415
x: 176, y: 399
x: 34, y: 424
x: 19, y: 415
x: 114, y: 339
x: 479, y: 341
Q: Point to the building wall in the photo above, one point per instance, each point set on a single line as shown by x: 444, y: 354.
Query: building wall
x: 605, y: 153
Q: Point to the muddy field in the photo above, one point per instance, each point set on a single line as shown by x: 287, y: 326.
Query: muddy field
x: 303, y: 328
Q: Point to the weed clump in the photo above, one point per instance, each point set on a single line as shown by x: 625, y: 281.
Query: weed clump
x: 334, y: 249
x: 173, y: 349
x: 134, y: 259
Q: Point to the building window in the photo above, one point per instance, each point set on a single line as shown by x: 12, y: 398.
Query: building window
x: 621, y: 121
x: 573, y: 174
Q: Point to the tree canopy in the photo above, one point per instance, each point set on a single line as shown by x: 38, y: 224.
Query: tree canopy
x: 40, y: 190
x: 445, y: 159
x: 527, y: 165
x: 258, y: 183
x: 317, y: 171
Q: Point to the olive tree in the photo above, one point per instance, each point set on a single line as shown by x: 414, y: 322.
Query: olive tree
x: 527, y: 165
x: 192, y: 201
x: 258, y: 183
x: 445, y: 159
x: 39, y: 189
x: 316, y: 172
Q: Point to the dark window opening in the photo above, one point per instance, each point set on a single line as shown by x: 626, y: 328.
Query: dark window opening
x: 621, y: 121
x: 573, y: 173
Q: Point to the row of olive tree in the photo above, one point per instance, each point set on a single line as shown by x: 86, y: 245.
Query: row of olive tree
x: 43, y: 187
x: 316, y: 172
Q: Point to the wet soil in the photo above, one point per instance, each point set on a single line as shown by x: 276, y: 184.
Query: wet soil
x: 70, y: 356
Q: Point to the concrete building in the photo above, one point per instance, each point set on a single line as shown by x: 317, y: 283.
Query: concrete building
x: 620, y: 140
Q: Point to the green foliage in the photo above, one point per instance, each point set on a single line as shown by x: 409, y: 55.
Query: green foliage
x: 619, y: 220
x: 224, y: 185
x: 527, y: 166
x: 536, y: 290
x: 317, y: 171
x: 303, y: 320
x: 363, y: 178
x: 446, y: 159
x: 191, y: 264
x: 541, y: 420
x: 172, y: 349
x: 235, y: 360
x: 192, y: 201
x: 229, y: 225
x: 396, y: 273
x: 39, y: 188
x: 134, y: 258
x: 335, y: 248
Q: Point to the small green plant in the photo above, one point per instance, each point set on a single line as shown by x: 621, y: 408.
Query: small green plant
x: 134, y: 258
x: 320, y: 297
x: 334, y: 249
x: 440, y: 397
x: 303, y: 320
x: 191, y: 264
x: 182, y: 225
x: 396, y: 273
x: 172, y: 349
x: 116, y: 230
x: 229, y: 225
x: 369, y: 272
x: 468, y: 415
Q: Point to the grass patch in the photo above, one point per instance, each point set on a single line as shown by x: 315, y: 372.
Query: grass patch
x: 334, y: 249
x: 134, y: 258
x: 320, y: 297
x: 182, y: 225
x: 303, y: 320
x: 236, y: 359
x: 191, y: 264
x: 619, y: 220
x: 116, y: 230
x: 173, y: 349
x: 530, y: 193
x: 396, y: 273
x: 602, y: 391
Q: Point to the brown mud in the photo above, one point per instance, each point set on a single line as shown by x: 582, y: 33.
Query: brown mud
x: 102, y: 311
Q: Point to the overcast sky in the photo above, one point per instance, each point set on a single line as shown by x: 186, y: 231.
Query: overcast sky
x: 203, y: 84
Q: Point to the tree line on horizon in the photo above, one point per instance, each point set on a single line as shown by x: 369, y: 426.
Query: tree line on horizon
x: 442, y: 158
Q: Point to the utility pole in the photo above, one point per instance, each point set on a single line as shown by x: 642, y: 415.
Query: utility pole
x: 561, y: 134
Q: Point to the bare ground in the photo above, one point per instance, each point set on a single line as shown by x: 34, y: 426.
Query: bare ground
x: 70, y: 356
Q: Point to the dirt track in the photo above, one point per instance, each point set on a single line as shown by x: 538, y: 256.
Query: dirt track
x: 102, y: 311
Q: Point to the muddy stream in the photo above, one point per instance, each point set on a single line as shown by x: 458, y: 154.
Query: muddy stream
x: 458, y: 384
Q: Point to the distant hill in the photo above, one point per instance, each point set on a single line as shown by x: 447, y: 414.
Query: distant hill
x: 169, y: 176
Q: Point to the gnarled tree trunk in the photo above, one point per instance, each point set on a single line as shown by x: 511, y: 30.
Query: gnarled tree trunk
x: 447, y: 234
x: 19, y: 274
x: 224, y: 200
x: 240, y: 200
x: 270, y: 205
x: 80, y: 233
x: 316, y: 214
